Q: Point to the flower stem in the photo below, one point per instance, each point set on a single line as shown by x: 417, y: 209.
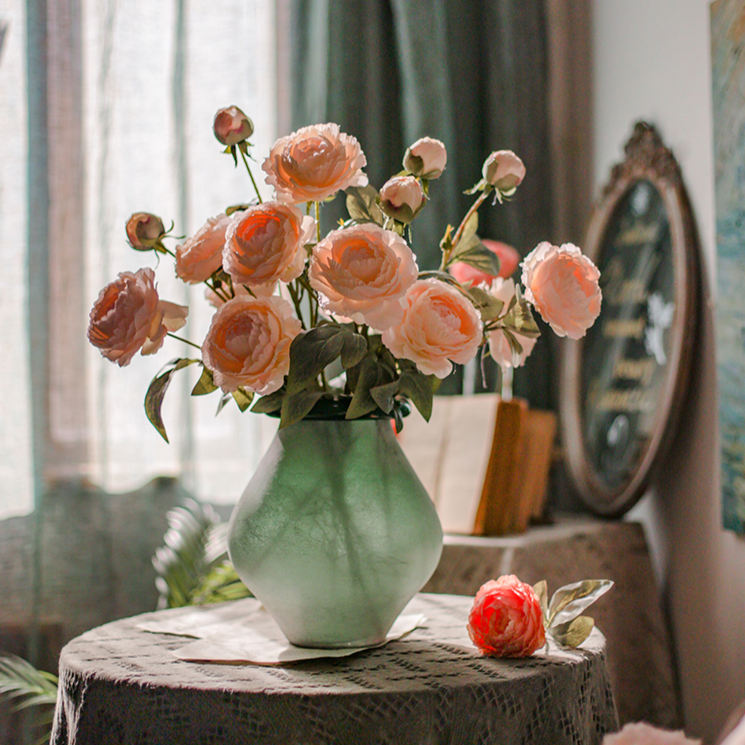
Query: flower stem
x: 251, y: 176
x: 318, y: 222
x: 186, y: 341
x: 459, y: 232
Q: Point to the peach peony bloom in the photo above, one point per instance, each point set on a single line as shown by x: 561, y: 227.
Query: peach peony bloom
x: 645, y: 734
x: 232, y: 126
x: 314, y: 163
x: 563, y: 285
x: 144, y: 231
x: 426, y: 158
x: 248, y: 343
x: 499, y: 347
x: 508, y: 257
x: 506, y: 619
x: 128, y: 316
x: 439, y: 325
x: 265, y: 243
x: 503, y: 170
x: 363, y: 273
x: 200, y: 256
x: 401, y: 198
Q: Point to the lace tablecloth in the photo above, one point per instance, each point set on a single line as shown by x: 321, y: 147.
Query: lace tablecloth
x: 123, y: 686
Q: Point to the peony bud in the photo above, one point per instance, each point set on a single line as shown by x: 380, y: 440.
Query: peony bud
x: 426, y: 158
x: 232, y: 126
x: 504, y: 171
x: 145, y: 231
x: 401, y: 198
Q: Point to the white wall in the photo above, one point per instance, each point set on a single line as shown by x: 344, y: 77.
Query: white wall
x: 652, y: 62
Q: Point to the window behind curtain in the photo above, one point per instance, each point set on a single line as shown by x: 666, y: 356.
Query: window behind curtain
x: 132, y: 89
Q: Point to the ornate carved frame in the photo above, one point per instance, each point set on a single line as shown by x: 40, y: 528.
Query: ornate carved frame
x: 646, y: 159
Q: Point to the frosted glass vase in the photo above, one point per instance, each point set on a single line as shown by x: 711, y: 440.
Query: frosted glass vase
x: 335, y: 533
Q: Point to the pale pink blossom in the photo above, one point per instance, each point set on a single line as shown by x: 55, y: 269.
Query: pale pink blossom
x: 503, y: 170
x: 232, y: 126
x: 426, y: 158
x: 248, y: 344
x: 265, y: 243
x: 128, y: 316
x: 144, y: 231
x: 563, y: 286
x: 362, y: 273
x: 200, y: 256
x: 508, y: 257
x: 506, y: 619
x: 499, y: 346
x: 401, y: 198
x: 644, y: 734
x: 314, y: 163
x: 440, y: 326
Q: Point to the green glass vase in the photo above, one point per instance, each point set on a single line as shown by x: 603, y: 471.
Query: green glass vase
x: 335, y: 533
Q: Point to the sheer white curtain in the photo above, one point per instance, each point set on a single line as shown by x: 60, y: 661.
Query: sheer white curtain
x: 131, y: 89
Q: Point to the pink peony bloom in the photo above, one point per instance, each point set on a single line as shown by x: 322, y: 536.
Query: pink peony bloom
x: 128, y: 316
x: 506, y: 619
x: 265, y: 243
x: 248, y: 344
x: 644, y: 734
x: 426, y: 158
x: 314, y: 163
x: 499, y: 347
x: 363, y: 273
x: 232, y: 126
x: 401, y: 198
x: 503, y: 170
x: 439, y: 325
x: 563, y: 285
x: 508, y: 257
x: 200, y: 256
x: 144, y: 231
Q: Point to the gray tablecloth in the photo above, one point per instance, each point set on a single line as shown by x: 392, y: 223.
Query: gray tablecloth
x: 122, y: 686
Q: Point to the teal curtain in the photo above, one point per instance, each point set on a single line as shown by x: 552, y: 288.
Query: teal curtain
x: 472, y: 74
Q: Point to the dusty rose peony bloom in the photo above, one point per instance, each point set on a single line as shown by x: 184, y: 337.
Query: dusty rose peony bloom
x: 265, y: 243
x: 503, y: 170
x: 362, y: 273
x: 562, y: 284
x: 232, y: 126
x: 144, y: 231
x: 439, y: 325
x: 509, y: 258
x: 128, y: 316
x: 401, y: 198
x: 314, y: 163
x: 248, y: 343
x: 506, y: 619
x: 200, y: 256
x: 644, y: 734
x: 499, y: 347
x: 426, y: 158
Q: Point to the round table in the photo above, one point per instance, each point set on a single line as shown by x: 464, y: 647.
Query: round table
x: 123, y: 686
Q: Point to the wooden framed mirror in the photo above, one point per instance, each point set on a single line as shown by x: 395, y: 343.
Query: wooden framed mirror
x: 623, y: 386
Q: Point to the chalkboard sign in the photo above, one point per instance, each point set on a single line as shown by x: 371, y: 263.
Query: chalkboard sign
x: 624, y: 384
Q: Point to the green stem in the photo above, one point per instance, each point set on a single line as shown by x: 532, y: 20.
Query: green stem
x: 251, y: 176
x: 318, y: 222
x: 217, y: 291
x: 459, y: 232
x: 296, y: 302
x: 186, y: 341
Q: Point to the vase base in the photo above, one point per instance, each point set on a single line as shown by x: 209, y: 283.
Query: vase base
x: 355, y: 644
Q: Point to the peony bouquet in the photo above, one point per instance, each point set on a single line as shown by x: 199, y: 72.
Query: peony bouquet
x: 300, y: 316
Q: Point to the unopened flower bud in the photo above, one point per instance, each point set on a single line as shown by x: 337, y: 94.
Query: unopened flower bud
x: 426, y: 158
x: 144, y: 231
x: 232, y: 126
x: 401, y: 198
x: 504, y: 171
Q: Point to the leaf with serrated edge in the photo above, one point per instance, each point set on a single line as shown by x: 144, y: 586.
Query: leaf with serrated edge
x: 205, y: 384
x: 573, y: 633
x: 541, y: 590
x: 296, y: 405
x: 569, y: 601
x: 157, y: 390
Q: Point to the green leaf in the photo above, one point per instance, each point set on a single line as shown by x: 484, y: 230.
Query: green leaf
x: 312, y: 351
x: 362, y: 204
x: 372, y: 374
x: 271, y: 403
x: 488, y: 306
x: 569, y: 601
x: 420, y: 389
x: 243, y: 398
x: 354, y: 348
x: 520, y: 320
x: 223, y: 402
x: 469, y: 231
x: 384, y: 395
x: 478, y: 256
x: 296, y: 405
x: 205, y: 384
x: 157, y: 390
x: 446, y: 244
x: 573, y: 633
x: 220, y: 585
x: 442, y: 276
x: 236, y: 208
x: 515, y: 347
x: 541, y: 590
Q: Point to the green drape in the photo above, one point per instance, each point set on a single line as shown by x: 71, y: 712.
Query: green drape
x: 470, y: 73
